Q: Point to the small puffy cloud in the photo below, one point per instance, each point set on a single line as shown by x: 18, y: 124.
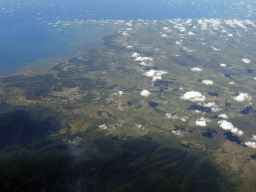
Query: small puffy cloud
x: 254, y: 78
x: 125, y: 33
x: 239, y: 133
x: 223, y: 65
x: 178, y: 42
x: 193, y: 96
x: 184, y: 119
x: 186, y: 49
x: 103, y: 126
x: 164, y: 35
x: 246, y: 60
x: 145, y: 93
x: 196, y: 69
x: 169, y: 116
x: 139, y: 58
x: 135, y: 54
x: 226, y: 125
x: 150, y: 73
x: 120, y: 92
x: 182, y: 29
x: 210, y: 104
x: 231, y: 83
x: 145, y: 64
x: 224, y: 116
x: 215, y: 49
x: 128, y: 24
x: 230, y: 127
x: 155, y: 74
x: 254, y: 137
x: 178, y: 132
x: 201, y: 122
x: 242, y: 96
x: 128, y: 46
x: 191, y: 33
x: 215, y: 108
x: 251, y: 144
x: 207, y: 82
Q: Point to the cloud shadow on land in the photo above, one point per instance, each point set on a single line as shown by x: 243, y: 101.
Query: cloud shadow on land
x: 21, y: 127
x: 115, y: 165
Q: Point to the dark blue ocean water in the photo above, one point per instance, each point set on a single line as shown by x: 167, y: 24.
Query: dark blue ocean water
x: 25, y: 36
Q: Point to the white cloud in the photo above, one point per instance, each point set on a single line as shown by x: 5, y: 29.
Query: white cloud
x: 145, y: 93
x: 150, y: 73
x: 138, y: 126
x: 125, y: 33
x: 210, y: 104
x: 201, y: 122
x: 164, y: 36
x: 128, y: 46
x: 231, y: 83
x: 75, y: 141
x: 191, y: 33
x: 224, y: 116
x: 255, y: 78
x: 155, y: 74
x: 178, y: 42
x: 143, y: 59
x: 178, y: 132
x: 184, y: 119
x: 135, y: 54
x: 254, y: 137
x: 146, y: 63
x: 193, y: 96
x: 169, y: 116
x: 182, y: 29
x: 242, y: 96
x: 213, y: 106
x: 230, y: 127
x: 120, y: 92
x: 207, y: 82
x: 223, y: 65
x: 196, y: 69
x: 239, y: 133
x: 246, y: 60
x: 215, y: 49
x: 103, y: 126
x: 186, y: 49
x: 128, y: 24
x: 251, y: 144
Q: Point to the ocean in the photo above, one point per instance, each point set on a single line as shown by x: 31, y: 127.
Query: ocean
x: 27, y: 40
